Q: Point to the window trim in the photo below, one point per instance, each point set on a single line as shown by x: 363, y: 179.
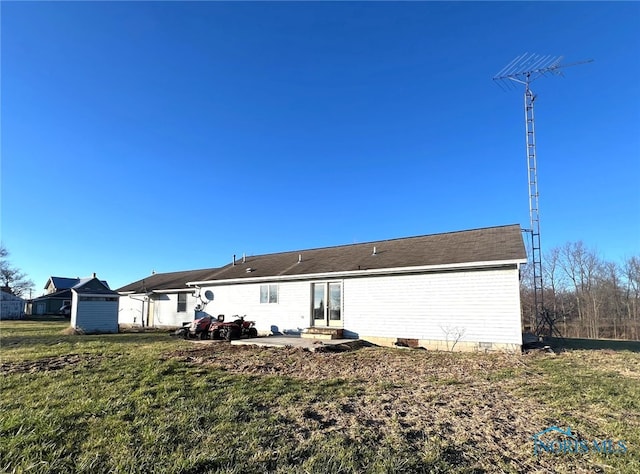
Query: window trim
x: 269, y: 293
x: 182, y: 305
x: 326, y: 320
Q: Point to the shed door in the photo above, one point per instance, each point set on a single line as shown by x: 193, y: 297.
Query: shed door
x: 326, y: 304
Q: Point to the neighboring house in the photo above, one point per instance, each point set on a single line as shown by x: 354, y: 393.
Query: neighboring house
x: 55, y: 284
x: 11, y: 306
x: 94, y: 307
x: 444, y: 291
x: 57, y: 293
x: 51, y: 303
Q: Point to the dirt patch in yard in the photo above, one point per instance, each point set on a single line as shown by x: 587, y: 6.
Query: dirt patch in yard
x: 367, y: 364
x: 445, y: 400
x: 468, y: 409
x: 50, y: 363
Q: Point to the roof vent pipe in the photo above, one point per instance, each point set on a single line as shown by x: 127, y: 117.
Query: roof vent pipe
x: 375, y: 251
x: 234, y: 259
x: 94, y: 274
x: 299, y: 257
x: 244, y: 258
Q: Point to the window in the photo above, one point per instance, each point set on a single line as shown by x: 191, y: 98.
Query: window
x: 182, y: 302
x: 268, y: 293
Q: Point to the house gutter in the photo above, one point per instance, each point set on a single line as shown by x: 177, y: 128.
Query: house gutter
x: 175, y: 290
x: 131, y: 294
x: 363, y: 273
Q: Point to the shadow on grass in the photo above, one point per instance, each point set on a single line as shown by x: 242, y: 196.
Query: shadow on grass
x: 46, y: 318
x: 595, y: 344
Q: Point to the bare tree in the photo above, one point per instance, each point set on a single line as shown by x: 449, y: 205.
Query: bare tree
x: 582, y: 267
x: 557, y: 298
x: 453, y: 334
x: 631, y: 275
x: 611, y: 294
x: 13, y: 280
x: 586, y: 295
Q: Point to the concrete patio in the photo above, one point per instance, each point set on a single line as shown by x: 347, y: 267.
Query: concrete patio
x: 302, y: 343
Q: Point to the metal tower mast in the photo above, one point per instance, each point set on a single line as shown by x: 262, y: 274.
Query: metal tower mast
x: 524, y: 70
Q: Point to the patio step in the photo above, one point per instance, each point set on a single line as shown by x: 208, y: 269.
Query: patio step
x: 323, y: 333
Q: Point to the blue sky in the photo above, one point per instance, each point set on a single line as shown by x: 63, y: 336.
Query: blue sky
x: 168, y: 136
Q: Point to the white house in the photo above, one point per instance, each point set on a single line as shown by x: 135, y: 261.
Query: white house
x: 457, y: 290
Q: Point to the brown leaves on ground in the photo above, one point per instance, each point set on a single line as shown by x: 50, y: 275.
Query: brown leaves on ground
x: 476, y: 412
x: 463, y: 406
x: 368, y: 364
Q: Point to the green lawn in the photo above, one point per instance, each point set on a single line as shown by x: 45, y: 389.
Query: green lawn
x: 148, y: 403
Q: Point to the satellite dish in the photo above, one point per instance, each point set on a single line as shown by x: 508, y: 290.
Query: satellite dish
x: 207, y: 297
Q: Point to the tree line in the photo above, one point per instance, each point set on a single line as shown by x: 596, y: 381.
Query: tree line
x: 586, y: 295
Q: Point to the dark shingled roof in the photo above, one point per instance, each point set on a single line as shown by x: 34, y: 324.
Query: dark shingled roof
x: 62, y: 294
x: 490, y: 244
x: 63, y: 283
x: 167, y: 281
x: 93, y: 286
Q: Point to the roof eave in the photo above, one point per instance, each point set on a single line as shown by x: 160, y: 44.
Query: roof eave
x: 92, y: 293
x: 131, y: 294
x: 163, y: 291
x: 359, y: 273
x: 173, y: 290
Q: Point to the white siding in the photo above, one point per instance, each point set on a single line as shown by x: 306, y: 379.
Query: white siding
x: 130, y: 310
x: 289, y: 315
x: 485, y: 305
x: 134, y: 310
x: 94, y: 316
x: 165, y: 310
x: 11, y: 306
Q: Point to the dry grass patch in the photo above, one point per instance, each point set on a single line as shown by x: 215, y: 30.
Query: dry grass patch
x: 147, y: 403
x: 476, y: 412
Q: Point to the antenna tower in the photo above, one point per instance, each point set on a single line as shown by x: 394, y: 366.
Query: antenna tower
x: 525, y: 69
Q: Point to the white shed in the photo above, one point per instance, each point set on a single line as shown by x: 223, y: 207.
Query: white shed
x: 11, y: 306
x: 94, y: 307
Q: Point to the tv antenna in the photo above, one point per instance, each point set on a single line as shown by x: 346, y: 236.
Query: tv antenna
x: 525, y: 69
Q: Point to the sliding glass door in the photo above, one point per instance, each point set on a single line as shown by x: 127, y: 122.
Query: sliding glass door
x: 326, y: 304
